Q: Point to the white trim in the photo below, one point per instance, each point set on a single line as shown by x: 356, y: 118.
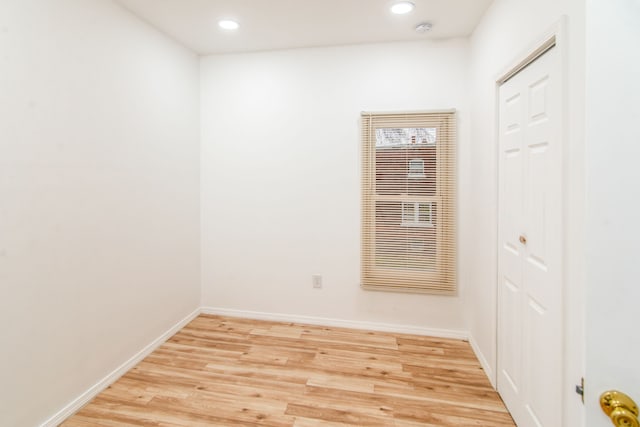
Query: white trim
x: 92, y: 392
x: 547, y: 45
x: 486, y: 366
x: 353, y: 324
x: 97, y: 388
x: 555, y: 35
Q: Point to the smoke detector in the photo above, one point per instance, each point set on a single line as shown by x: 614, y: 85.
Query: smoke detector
x: 423, y: 27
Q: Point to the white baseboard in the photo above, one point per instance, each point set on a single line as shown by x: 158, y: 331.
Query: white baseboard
x: 85, y: 397
x: 488, y: 370
x: 353, y: 324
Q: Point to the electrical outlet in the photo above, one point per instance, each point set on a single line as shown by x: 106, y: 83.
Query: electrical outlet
x: 316, y: 280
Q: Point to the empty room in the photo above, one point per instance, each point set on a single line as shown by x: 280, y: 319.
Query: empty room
x: 319, y: 213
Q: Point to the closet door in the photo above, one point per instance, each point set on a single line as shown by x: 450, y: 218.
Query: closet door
x: 530, y: 244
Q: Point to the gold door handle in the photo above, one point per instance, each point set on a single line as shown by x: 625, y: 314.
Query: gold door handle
x: 622, y: 410
x: 523, y: 240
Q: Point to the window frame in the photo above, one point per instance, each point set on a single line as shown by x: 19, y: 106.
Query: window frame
x: 442, y: 278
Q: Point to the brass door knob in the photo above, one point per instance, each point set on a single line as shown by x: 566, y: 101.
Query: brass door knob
x: 622, y: 410
x: 523, y: 240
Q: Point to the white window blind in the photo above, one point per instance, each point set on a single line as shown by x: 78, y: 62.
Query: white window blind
x: 409, y: 201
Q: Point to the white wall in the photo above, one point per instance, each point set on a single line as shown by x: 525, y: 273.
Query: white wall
x: 99, y: 188
x: 508, y: 30
x: 613, y: 150
x: 280, y: 175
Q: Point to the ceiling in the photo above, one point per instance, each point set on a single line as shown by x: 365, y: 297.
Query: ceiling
x: 284, y: 24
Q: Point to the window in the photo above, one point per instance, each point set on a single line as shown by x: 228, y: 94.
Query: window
x: 416, y: 214
x: 394, y: 137
x: 408, y: 202
x: 416, y: 168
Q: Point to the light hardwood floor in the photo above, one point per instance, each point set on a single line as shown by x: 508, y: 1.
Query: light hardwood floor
x: 221, y: 371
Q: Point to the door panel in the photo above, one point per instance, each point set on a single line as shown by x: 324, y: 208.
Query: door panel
x: 530, y: 242
x: 511, y: 368
x: 511, y: 279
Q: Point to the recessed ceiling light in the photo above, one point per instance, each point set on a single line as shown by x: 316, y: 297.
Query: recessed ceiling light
x: 228, y: 24
x: 402, y: 7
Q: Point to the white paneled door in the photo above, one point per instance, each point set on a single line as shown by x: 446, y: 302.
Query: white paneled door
x: 530, y: 244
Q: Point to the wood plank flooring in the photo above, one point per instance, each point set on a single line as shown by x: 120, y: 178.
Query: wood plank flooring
x: 220, y: 371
